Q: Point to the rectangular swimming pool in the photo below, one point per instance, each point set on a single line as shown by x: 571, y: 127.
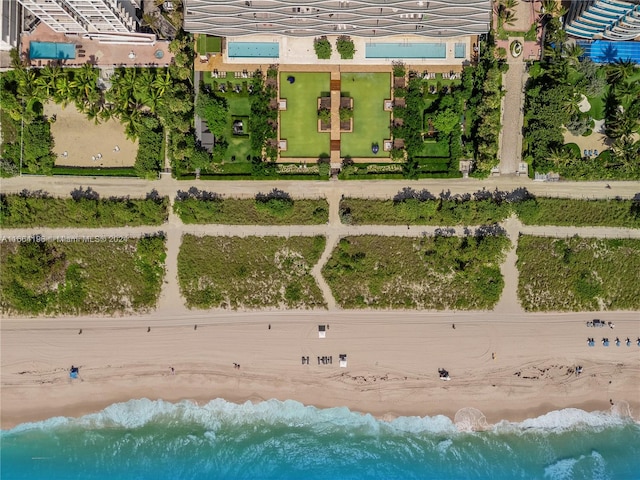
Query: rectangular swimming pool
x: 406, y: 50
x: 51, y: 51
x: 253, y: 49
x: 603, y: 51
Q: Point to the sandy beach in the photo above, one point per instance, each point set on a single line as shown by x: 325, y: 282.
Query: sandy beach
x: 507, y: 366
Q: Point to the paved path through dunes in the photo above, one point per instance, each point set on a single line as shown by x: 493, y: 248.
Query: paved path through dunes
x: 512, y: 114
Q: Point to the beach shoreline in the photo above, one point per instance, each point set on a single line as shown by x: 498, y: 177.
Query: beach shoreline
x: 509, y: 367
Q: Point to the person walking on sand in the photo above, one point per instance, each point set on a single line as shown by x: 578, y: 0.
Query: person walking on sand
x: 173, y: 370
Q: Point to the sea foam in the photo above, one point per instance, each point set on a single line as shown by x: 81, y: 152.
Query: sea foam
x: 211, y: 416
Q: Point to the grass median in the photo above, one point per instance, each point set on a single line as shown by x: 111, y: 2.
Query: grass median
x: 251, y: 272
x: 81, y: 277
x: 417, y: 273
x: 578, y: 274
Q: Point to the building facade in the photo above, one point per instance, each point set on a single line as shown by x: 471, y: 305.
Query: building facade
x: 362, y: 18
x: 604, y: 19
x: 85, y: 16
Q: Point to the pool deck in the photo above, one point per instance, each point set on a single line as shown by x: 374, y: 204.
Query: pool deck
x: 298, y: 53
x: 95, y: 52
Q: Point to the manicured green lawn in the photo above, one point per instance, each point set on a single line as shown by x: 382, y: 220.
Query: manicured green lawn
x: 370, y: 121
x: 435, y: 149
x: 299, y: 122
x: 239, y: 145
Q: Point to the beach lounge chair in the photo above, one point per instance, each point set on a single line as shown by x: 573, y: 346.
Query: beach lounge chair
x: 322, y: 331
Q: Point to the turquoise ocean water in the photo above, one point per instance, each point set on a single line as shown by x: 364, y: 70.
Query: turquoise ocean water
x: 144, y: 439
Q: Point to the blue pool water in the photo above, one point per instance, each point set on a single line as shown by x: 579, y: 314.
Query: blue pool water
x: 51, y: 51
x: 144, y: 439
x: 253, y: 49
x: 406, y: 50
x: 459, y: 50
x: 603, y: 51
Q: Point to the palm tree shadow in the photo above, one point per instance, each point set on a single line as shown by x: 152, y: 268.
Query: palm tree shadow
x: 609, y: 54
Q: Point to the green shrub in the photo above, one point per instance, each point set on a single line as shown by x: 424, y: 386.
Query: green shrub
x: 322, y: 47
x: 345, y: 47
x: 578, y: 274
x: 36, y: 209
x: 105, y: 276
x: 251, y: 272
x: 438, y: 272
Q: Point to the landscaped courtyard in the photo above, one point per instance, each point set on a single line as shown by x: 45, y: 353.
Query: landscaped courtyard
x: 237, y: 95
x: 370, y: 120
x: 299, y: 122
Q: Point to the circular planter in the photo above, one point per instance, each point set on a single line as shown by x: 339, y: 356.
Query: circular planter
x: 515, y: 48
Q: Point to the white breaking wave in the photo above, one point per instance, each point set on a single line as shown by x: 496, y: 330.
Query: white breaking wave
x: 565, y: 419
x: 138, y: 413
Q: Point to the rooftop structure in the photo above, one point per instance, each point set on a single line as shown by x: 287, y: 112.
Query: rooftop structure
x: 10, y: 13
x: 604, y: 19
x: 362, y: 18
x: 85, y: 16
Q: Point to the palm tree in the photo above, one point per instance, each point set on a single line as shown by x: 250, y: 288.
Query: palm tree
x: 93, y: 113
x: 27, y: 85
x: 509, y: 18
x: 627, y: 151
x: 561, y: 157
x: 107, y: 112
x: 627, y: 91
x: 621, y: 70
x: 162, y: 82
x: 48, y: 79
x: 552, y: 8
x: 132, y: 118
x: 85, y: 81
x: 573, y: 53
x: 64, y: 92
x: 142, y: 84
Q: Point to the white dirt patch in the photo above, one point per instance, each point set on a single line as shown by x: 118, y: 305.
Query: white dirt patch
x: 87, y: 144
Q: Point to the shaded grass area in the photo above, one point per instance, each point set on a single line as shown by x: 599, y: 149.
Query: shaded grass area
x: 299, y: 122
x: 234, y: 211
x: 252, y: 272
x: 370, y: 120
x: 22, y: 211
x: 562, y: 211
x: 427, y: 273
x: 99, y: 277
x: 360, y: 211
x: 578, y: 274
